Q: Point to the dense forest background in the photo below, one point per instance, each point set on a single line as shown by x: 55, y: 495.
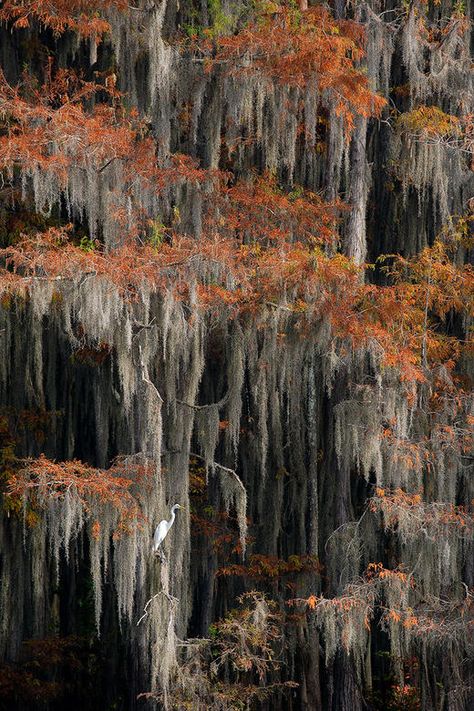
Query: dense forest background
x: 236, y: 274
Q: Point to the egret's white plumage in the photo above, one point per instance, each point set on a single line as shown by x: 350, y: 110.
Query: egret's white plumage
x: 162, y: 529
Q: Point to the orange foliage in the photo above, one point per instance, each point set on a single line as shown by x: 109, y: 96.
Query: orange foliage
x: 296, y: 48
x: 405, y: 697
x: 48, y: 128
x: 426, y: 288
x: 269, y: 248
x: 377, y: 571
x: 42, y: 479
x: 434, y: 517
x: 411, y: 455
x: 219, y: 527
x: 400, y: 320
x: 43, y: 672
x: 81, y: 16
x: 257, y: 210
x: 361, y: 596
x: 441, y: 619
x: 263, y: 567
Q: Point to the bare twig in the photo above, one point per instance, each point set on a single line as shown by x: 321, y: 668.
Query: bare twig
x: 218, y: 404
x: 227, y: 470
x: 145, y: 609
x: 172, y: 600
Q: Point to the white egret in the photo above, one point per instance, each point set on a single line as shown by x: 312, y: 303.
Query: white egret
x: 162, y: 529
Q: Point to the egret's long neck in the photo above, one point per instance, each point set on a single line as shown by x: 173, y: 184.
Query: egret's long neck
x: 173, y: 514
